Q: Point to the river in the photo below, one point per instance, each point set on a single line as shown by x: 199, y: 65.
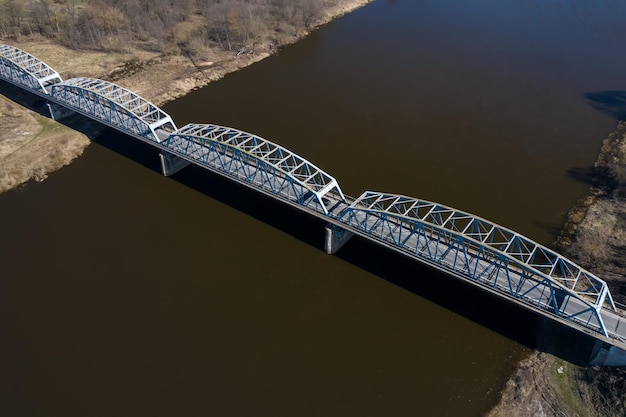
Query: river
x: 126, y: 293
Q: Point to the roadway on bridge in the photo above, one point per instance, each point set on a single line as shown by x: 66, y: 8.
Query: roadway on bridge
x: 252, y: 161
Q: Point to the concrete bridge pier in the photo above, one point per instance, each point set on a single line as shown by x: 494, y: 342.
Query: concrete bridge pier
x: 605, y: 354
x: 336, y: 237
x: 171, y: 164
x: 58, y: 112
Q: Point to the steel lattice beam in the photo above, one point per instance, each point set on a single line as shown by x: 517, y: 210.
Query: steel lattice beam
x: 22, y: 68
x: 114, y: 105
x: 459, y: 243
x: 256, y: 161
x: 484, y: 252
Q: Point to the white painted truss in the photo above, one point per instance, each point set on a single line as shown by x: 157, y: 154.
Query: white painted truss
x: 458, y: 243
x: 204, y: 140
x: 493, y: 257
x: 522, y: 250
x: 114, y: 105
x: 27, y: 70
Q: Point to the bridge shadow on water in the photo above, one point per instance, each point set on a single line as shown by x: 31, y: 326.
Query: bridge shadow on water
x: 498, y: 315
x: 503, y: 317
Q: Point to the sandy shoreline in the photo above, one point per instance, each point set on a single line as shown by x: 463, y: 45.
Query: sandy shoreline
x: 34, y: 152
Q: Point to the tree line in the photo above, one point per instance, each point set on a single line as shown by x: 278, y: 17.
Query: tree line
x: 177, y: 26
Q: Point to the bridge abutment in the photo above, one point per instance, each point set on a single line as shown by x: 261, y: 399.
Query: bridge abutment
x: 607, y: 355
x: 171, y: 164
x: 58, y: 112
x: 336, y: 237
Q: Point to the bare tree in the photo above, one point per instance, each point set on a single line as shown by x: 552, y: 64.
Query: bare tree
x: 12, y: 17
x: 44, y: 17
x: 165, y: 25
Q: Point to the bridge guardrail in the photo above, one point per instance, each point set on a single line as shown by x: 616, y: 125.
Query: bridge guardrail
x: 135, y: 106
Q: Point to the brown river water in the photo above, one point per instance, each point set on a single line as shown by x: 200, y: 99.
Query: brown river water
x: 124, y: 293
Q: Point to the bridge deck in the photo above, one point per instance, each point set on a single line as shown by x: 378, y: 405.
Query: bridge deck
x: 535, y: 297
x: 499, y: 282
x: 510, y: 283
x: 26, y: 71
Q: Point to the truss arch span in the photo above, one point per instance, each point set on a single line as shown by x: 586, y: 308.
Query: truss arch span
x: 256, y: 161
x: 484, y: 252
x: 115, y: 106
x: 23, y: 69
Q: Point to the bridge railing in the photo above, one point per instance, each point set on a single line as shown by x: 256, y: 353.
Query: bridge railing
x: 490, y: 255
x: 463, y: 244
x: 114, y: 106
x: 255, y: 161
x: 23, y: 69
x: 620, y: 310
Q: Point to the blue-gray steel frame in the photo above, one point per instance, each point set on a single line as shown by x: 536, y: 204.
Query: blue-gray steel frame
x: 114, y: 105
x: 256, y: 161
x: 463, y: 244
x: 483, y: 252
x: 23, y: 69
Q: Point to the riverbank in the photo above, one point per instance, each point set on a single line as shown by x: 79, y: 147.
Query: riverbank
x: 31, y: 152
x: 31, y: 145
x: 594, y: 236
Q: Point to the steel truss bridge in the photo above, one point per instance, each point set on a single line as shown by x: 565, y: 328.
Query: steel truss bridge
x: 475, y: 250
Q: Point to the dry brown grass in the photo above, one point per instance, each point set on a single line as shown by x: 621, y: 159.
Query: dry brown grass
x: 74, y: 63
x: 601, y: 235
x: 32, y: 146
x: 538, y: 388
